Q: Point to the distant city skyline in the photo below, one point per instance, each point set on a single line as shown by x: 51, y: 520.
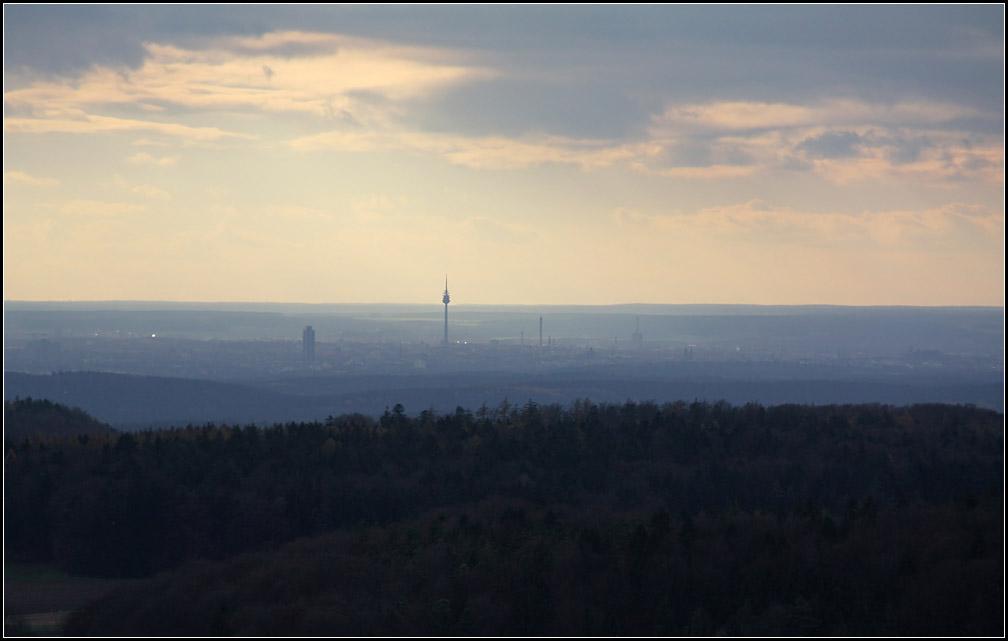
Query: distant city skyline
x: 580, y: 155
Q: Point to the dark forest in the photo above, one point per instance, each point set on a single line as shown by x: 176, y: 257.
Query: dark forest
x: 590, y: 519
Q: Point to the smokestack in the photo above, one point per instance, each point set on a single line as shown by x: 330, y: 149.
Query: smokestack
x: 540, y: 331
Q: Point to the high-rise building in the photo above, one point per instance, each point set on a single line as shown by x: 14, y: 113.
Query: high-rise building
x: 638, y: 338
x: 308, y: 345
x: 445, y: 299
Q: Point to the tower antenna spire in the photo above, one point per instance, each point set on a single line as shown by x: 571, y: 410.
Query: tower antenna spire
x: 446, y: 299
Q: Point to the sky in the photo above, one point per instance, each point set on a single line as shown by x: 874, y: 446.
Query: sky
x: 546, y: 154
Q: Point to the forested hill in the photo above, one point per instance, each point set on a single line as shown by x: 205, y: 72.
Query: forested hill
x: 815, y: 485
x: 24, y: 417
x: 132, y: 504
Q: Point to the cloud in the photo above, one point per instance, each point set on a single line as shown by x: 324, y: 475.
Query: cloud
x: 250, y: 71
x: 364, y: 95
x: 907, y: 149
x: 711, y: 172
x: 98, y: 208
x: 20, y: 177
x: 68, y: 38
x: 753, y: 116
x: 841, y: 140
x: 149, y: 191
x: 831, y: 144
x: 720, y: 141
x: 759, y: 222
x: 529, y: 151
x: 298, y: 213
x: 333, y: 79
x: 92, y: 124
x: 944, y: 160
x: 488, y: 152
x: 143, y: 158
x: 248, y: 74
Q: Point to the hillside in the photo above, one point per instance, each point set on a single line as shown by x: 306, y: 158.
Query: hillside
x: 510, y: 568
x: 131, y: 402
x: 679, y: 518
x: 24, y: 417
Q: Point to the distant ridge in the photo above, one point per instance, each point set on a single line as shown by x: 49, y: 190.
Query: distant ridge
x: 131, y: 402
x: 27, y: 417
x: 303, y: 307
x: 139, y: 402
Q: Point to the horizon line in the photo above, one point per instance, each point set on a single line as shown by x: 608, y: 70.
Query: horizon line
x: 529, y: 305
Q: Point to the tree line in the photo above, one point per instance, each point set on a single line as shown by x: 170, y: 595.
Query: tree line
x: 655, y: 506
x: 130, y: 504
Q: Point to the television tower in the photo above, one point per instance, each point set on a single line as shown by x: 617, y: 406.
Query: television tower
x: 446, y: 300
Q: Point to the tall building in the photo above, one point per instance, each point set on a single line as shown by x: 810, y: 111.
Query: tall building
x: 445, y: 300
x: 638, y: 338
x: 308, y: 344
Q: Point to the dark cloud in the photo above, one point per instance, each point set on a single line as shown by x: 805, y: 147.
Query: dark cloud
x: 947, y: 53
x: 686, y: 153
x: 69, y: 39
x: 832, y: 144
x: 848, y: 144
x: 66, y: 39
x: 513, y: 106
x: 794, y: 163
x: 908, y: 149
x: 583, y: 69
x: 644, y: 27
x: 976, y: 163
x: 704, y: 151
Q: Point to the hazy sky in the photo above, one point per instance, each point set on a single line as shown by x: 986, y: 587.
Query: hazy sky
x: 545, y: 154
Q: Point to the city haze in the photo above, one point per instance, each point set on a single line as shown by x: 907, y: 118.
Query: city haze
x: 158, y: 364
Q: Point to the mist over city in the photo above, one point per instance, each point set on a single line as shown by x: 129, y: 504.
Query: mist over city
x: 150, y: 364
x: 493, y: 320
